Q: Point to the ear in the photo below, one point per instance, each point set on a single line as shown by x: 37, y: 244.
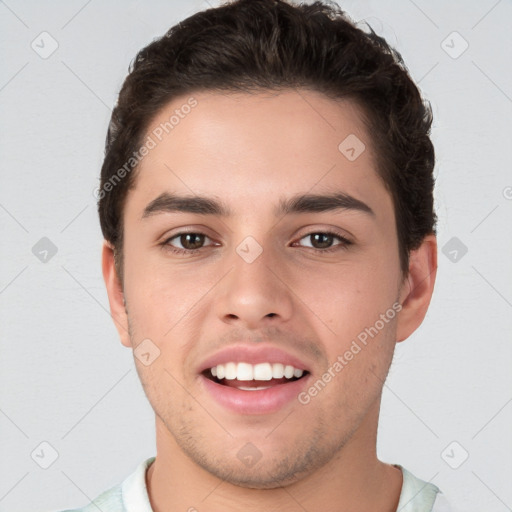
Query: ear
x: 115, y: 293
x: 417, y: 288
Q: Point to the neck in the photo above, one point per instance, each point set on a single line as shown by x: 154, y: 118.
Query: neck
x: 353, y: 480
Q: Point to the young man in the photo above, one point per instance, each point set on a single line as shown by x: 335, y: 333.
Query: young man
x: 267, y: 206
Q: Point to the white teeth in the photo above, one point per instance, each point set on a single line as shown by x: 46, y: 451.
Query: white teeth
x: 231, y: 371
x: 245, y: 388
x: 277, y: 371
x: 288, y: 371
x: 221, y: 371
x: 244, y: 371
x: 261, y: 371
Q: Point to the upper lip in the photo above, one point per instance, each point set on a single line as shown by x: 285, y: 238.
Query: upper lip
x: 252, y: 355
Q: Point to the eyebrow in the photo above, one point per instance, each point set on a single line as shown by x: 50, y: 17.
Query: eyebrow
x: 304, y: 203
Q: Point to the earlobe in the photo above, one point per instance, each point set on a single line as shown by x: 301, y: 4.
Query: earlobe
x: 417, y: 287
x: 115, y: 293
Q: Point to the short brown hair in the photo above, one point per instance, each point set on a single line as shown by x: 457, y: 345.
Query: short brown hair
x: 250, y: 45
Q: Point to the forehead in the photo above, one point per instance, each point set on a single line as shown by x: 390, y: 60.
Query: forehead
x: 252, y: 149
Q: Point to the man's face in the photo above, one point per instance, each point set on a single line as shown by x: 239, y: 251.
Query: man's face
x: 261, y: 281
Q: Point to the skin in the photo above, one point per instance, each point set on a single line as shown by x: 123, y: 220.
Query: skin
x: 250, y: 151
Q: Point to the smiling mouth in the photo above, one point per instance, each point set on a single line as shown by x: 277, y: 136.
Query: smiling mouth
x: 248, y: 377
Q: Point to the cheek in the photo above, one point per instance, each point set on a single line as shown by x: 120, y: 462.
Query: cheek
x: 348, y: 298
x: 360, y: 360
x: 154, y: 294
x: 166, y: 305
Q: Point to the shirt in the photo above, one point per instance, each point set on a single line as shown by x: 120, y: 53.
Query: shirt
x: 132, y: 495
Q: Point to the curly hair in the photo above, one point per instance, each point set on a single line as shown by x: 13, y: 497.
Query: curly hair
x: 253, y: 45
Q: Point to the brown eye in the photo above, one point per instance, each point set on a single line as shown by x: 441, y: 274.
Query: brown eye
x: 192, y: 240
x: 323, y: 241
x: 186, y: 242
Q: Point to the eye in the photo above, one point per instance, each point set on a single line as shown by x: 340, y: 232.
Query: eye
x: 193, y: 242
x: 322, y: 241
x: 190, y: 242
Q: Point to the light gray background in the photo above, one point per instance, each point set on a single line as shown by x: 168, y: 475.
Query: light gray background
x: 66, y: 379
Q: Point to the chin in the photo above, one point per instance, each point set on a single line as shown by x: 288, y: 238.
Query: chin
x: 256, y: 479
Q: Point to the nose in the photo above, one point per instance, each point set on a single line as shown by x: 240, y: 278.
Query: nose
x: 256, y: 293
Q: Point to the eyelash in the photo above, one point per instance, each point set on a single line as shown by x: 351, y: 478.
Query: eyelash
x: 341, y: 246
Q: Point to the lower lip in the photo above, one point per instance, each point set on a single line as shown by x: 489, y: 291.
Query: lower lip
x: 262, y: 401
